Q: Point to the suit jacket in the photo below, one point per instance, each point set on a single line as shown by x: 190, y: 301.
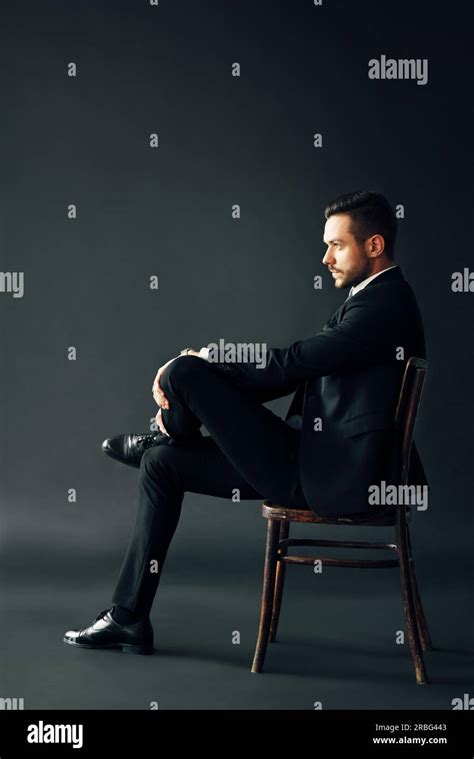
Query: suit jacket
x: 349, y: 377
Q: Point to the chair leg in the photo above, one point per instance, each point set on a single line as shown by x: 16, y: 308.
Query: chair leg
x: 280, y: 582
x: 266, y: 607
x: 423, y: 630
x: 414, y: 642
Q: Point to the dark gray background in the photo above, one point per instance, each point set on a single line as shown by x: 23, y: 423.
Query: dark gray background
x: 223, y: 140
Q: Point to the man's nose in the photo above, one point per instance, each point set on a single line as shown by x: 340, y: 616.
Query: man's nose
x: 328, y: 258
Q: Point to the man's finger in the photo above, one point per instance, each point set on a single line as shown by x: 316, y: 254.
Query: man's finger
x: 161, y: 399
x: 159, y: 392
x: 159, y: 421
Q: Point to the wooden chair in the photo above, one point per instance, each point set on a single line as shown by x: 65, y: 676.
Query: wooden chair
x: 278, y: 542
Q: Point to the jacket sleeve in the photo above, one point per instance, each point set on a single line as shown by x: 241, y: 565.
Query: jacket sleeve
x: 262, y: 390
x: 369, y: 333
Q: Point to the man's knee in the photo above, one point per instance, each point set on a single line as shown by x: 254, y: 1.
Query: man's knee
x: 180, y: 371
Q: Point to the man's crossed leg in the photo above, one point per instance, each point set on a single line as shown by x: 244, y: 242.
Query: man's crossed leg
x: 250, y: 451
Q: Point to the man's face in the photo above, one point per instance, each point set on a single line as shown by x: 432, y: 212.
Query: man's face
x: 348, y: 261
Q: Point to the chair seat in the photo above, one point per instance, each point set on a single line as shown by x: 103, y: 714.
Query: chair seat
x: 380, y: 518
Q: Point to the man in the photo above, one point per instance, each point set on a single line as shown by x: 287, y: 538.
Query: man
x: 337, y: 440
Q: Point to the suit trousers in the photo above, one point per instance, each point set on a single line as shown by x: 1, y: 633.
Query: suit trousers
x: 250, y: 453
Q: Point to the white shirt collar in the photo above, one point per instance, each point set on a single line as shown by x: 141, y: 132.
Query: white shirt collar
x: 365, y: 282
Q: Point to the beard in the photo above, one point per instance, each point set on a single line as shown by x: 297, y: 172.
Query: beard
x: 356, y: 276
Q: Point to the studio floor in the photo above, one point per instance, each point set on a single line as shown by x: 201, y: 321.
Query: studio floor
x: 336, y: 642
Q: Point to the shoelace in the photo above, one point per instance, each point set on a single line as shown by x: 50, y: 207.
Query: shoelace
x: 103, y: 613
x: 147, y: 440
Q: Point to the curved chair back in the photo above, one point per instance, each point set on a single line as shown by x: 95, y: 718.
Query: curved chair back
x: 407, y: 408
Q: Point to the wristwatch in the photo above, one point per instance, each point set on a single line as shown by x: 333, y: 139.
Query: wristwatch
x: 185, y: 351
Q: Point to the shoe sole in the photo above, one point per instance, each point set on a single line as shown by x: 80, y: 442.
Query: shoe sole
x: 127, y: 648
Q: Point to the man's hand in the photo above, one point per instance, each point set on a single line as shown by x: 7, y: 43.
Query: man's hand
x: 158, y: 393
x: 159, y: 421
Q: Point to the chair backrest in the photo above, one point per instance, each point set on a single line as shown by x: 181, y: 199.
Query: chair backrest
x: 407, y: 409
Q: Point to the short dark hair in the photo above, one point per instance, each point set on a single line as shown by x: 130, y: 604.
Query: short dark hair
x: 370, y: 213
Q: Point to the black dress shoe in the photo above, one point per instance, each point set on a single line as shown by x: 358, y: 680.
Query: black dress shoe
x: 105, y: 632
x: 130, y: 448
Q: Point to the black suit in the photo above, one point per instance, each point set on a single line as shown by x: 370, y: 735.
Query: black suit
x: 349, y: 377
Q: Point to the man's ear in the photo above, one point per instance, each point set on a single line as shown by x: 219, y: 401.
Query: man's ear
x: 375, y: 246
